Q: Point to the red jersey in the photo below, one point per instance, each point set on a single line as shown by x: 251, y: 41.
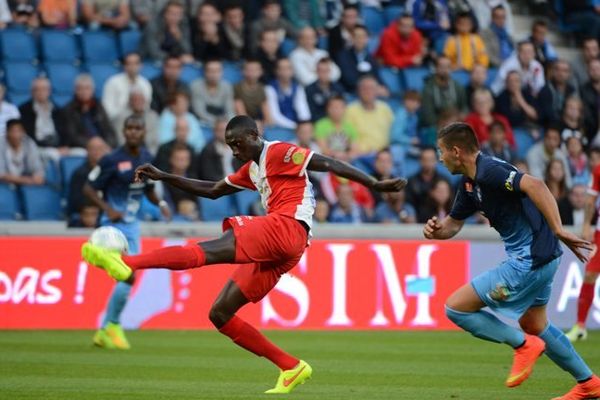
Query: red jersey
x: 281, y: 179
x: 594, y: 188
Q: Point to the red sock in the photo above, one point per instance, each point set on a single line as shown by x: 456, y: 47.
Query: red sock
x: 246, y: 336
x: 173, y: 257
x: 586, y: 297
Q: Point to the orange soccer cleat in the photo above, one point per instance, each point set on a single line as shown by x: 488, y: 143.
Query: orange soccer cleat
x: 589, y: 389
x: 524, y: 360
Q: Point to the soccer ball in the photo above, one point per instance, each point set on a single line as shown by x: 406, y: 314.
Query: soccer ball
x: 109, y: 237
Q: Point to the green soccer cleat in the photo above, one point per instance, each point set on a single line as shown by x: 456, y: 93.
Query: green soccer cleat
x: 291, y: 378
x: 101, y: 339
x: 108, y: 260
x: 117, y: 336
x: 576, y: 333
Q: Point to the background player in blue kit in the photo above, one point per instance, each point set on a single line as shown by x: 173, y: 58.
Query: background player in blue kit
x: 120, y: 202
x: 522, y: 209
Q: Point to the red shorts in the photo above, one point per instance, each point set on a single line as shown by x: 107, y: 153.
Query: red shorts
x: 268, y: 247
x: 594, y: 264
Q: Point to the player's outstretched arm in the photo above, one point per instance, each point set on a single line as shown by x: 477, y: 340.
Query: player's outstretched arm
x: 323, y: 163
x: 208, y: 189
x: 444, y: 229
x: 540, y: 195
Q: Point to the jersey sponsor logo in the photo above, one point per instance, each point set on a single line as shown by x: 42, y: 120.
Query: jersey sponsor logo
x: 288, y: 154
x: 124, y: 166
x: 298, y: 158
x: 500, y: 293
x: 508, y: 183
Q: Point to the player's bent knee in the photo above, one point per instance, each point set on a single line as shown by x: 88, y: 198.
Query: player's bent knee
x: 532, y: 327
x: 219, y: 315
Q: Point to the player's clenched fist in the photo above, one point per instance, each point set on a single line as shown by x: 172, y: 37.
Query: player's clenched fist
x: 431, y: 227
x: 148, y: 171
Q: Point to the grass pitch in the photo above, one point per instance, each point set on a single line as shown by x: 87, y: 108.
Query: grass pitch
x: 205, y: 365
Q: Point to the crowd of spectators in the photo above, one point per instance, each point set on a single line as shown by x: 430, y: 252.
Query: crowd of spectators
x: 321, y: 70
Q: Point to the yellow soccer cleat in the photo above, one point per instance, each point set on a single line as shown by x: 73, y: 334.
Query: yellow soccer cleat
x: 576, y: 333
x: 117, y: 336
x: 291, y: 378
x: 101, y: 339
x: 108, y: 260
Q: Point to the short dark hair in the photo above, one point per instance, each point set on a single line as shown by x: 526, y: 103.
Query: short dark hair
x: 553, y: 126
x: 497, y: 8
x: 335, y: 97
x: 360, y: 26
x: 135, y: 118
x: 539, y: 22
x: 14, y: 121
x: 523, y: 43
x: 324, y: 60
x: 250, y: 60
x: 179, y: 147
x: 171, y: 57
x: 497, y: 124
x: 243, y: 123
x: 268, y: 30
x: 131, y: 53
x: 459, y: 134
x: 412, y: 94
x: 350, y: 6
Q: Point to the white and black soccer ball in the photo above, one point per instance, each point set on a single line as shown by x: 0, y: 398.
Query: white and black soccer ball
x: 109, y: 237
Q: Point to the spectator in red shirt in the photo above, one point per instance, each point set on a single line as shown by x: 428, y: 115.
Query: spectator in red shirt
x: 401, y: 45
x: 482, y: 117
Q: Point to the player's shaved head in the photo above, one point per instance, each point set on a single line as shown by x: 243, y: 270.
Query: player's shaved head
x: 242, y: 124
x: 460, y: 135
x: 241, y: 134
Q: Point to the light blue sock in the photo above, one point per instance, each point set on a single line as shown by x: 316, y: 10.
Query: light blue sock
x: 117, y: 302
x: 485, y: 326
x: 562, y: 352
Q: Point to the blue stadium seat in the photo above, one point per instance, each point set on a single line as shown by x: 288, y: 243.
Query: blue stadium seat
x: 462, y: 77
x: 68, y: 165
x: 232, y: 72
x: 41, y: 203
x: 287, y: 46
x: 18, y: 76
x: 129, y: 41
x: 10, y: 202
x: 150, y: 70
x: 208, y: 133
x: 491, y: 76
x: 59, y: 46
x: 18, y: 98
x: 373, y: 44
x: 216, y: 210
x: 373, y: 19
x: 244, y: 200
x: 61, y: 100
x: 62, y: 77
x: 414, y: 78
x: 523, y: 141
x: 279, y: 133
x: 18, y: 45
x: 99, y: 47
x: 190, y: 73
x: 100, y: 73
x: 391, y: 79
x: 52, y: 174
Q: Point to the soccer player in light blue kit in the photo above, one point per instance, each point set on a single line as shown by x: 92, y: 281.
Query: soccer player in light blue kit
x: 523, y: 211
x: 120, y: 202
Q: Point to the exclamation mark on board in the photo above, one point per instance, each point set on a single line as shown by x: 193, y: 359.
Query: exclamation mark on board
x: 82, y: 273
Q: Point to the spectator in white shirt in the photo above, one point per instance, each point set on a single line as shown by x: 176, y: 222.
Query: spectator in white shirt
x: 20, y: 160
x: 117, y: 88
x: 524, y: 62
x: 286, y: 98
x: 7, y: 111
x: 305, y: 57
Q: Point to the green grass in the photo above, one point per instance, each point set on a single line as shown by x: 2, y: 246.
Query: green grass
x: 204, y: 365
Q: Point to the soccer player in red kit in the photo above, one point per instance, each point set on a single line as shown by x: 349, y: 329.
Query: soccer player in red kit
x: 592, y: 269
x: 267, y: 246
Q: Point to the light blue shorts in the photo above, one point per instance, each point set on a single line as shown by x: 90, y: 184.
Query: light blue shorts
x: 511, y: 289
